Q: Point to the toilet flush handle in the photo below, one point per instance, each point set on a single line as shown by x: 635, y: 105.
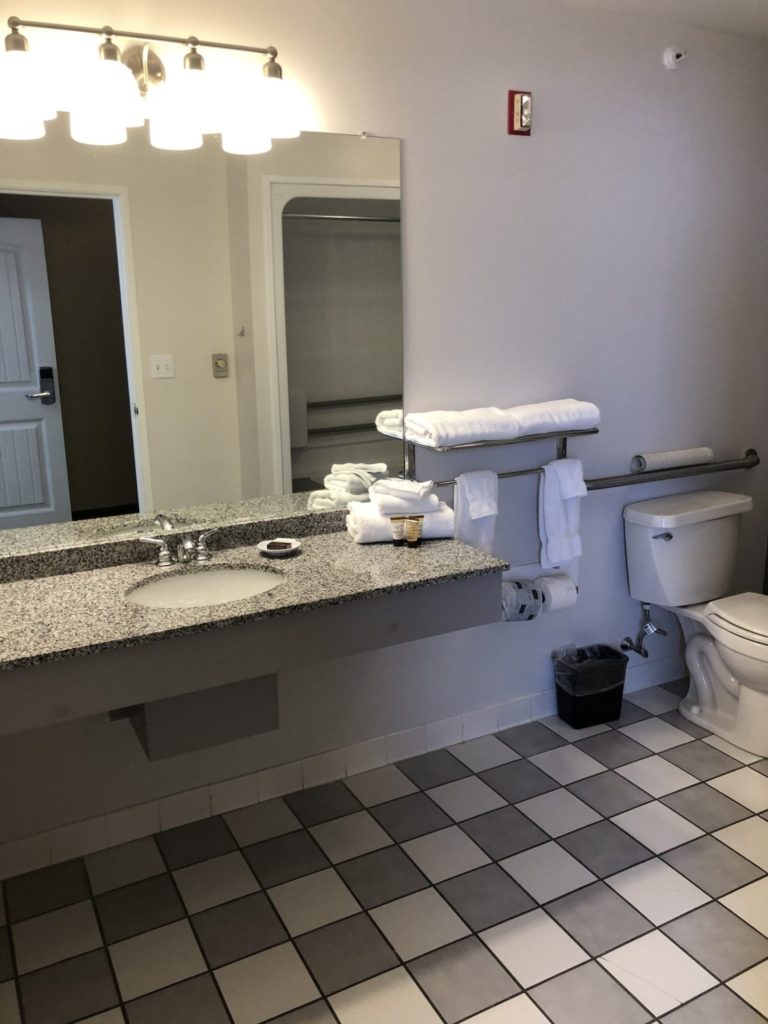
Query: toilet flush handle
x: 662, y: 536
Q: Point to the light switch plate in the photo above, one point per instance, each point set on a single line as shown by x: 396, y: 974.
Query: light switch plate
x: 162, y: 367
x: 220, y: 363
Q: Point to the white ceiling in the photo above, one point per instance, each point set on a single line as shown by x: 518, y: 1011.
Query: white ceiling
x: 746, y: 16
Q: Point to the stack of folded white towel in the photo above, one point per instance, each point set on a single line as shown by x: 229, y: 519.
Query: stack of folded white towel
x: 347, y: 481
x: 441, y: 428
x: 369, y: 522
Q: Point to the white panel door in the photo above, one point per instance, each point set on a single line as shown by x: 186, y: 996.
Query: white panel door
x: 33, y: 469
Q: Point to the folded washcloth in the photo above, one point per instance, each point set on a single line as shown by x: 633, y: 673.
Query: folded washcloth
x: 390, y: 421
x: 476, y: 506
x: 560, y: 492
x: 402, y: 488
x: 375, y: 468
x: 325, y: 501
x: 392, y: 505
x: 493, y: 424
x: 354, y: 483
x: 367, y: 525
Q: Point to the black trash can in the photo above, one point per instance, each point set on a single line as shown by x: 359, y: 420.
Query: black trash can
x: 590, y: 684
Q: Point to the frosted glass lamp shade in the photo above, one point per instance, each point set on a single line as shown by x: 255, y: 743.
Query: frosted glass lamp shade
x: 244, y: 138
x: 105, y: 100
x: 96, y: 127
x: 171, y: 122
x: 279, y: 103
x: 25, y: 98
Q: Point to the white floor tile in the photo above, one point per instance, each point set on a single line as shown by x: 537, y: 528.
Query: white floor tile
x: 752, y: 986
x: 445, y: 853
x: 657, y: 891
x: 654, y: 699
x: 264, y: 985
x: 567, y: 764
x: 728, y: 748
x: 569, y: 733
x: 215, y: 881
x: 749, y: 838
x: 751, y: 904
x: 466, y: 798
x: 656, y: 735
x: 483, y: 753
x: 156, y: 959
x: 419, y: 923
x: 390, y: 997
x: 657, y: 827
x: 48, y: 938
x: 657, y: 776
x: 350, y: 836
x: 312, y: 901
x: 746, y: 787
x: 380, y: 785
x: 547, y: 871
x: 533, y: 947
x: 518, y: 1010
x: 657, y: 972
x: 558, y: 812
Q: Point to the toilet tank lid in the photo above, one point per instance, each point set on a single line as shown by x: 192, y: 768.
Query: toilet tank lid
x: 747, y: 612
x: 684, y: 509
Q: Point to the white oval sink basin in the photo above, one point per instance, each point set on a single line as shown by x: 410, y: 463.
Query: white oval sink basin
x: 195, y: 589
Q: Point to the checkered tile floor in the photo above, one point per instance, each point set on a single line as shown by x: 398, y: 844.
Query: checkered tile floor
x: 611, y: 876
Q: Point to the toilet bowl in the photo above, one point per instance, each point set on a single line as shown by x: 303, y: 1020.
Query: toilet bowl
x: 681, y: 551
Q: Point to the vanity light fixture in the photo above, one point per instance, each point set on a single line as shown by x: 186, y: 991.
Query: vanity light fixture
x: 115, y: 91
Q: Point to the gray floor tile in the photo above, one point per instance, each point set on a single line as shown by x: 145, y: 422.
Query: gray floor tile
x: 718, y: 1006
x: 234, y: 930
x: 195, y: 1001
x: 712, y: 866
x: 598, y: 919
x: 262, y: 821
x: 609, y: 793
x: 719, y: 940
x: 679, y: 722
x: 613, y: 749
x: 504, y: 832
x: 630, y: 713
x: 58, y: 935
x: 346, y: 952
x: 433, y: 769
x: 761, y: 766
x: 604, y: 848
x: 701, y: 760
x: 46, y: 889
x: 122, y: 865
x: 69, y: 990
x: 532, y: 738
x: 486, y: 896
x: 382, y: 876
x: 200, y: 840
x: 285, y: 857
x: 139, y: 908
x: 679, y: 687
x: 463, y: 979
x: 314, y: 1013
x: 6, y: 959
x: 410, y: 816
x: 519, y: 780
x: 321, y: 803
x: 706, y: 807
x: 587, y: 995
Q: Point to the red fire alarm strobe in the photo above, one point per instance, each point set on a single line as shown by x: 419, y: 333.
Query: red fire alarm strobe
x: 519, y: 112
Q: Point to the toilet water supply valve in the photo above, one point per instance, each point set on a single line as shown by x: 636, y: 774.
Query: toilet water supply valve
x: 647, y: 628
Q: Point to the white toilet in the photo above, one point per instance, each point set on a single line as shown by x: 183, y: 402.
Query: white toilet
x: 680, y: 555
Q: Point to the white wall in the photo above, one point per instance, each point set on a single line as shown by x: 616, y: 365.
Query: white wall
x: 617, y: 255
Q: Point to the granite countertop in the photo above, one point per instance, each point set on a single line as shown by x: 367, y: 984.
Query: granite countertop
x: 78, y: 613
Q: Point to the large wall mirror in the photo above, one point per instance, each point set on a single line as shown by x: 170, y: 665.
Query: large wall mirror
x: 197, y: 327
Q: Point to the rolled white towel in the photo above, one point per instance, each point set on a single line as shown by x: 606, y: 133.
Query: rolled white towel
x: 647, y: 462
x: 392, y: 505
x: 403, y: 488
x: 321, y: 501
x: 390, y: 421
x: 367, y: 525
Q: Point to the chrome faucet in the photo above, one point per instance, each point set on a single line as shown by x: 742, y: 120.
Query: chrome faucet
x: 187, y: 550
x: 163, y: 522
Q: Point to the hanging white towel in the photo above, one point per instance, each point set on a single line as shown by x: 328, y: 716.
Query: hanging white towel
x: 367, y: 525
x: 560, y: 492
x: 476, y: 506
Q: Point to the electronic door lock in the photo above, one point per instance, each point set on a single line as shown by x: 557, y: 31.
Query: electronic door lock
x: 47, y: 392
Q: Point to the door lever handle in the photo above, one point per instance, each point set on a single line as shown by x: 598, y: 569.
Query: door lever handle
x: 38, y: 394
x: 47, y: 392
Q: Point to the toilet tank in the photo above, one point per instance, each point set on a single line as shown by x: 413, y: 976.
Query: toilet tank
x: 681, y: 548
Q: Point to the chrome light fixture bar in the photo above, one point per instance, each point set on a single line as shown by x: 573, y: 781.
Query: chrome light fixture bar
x: 105, y: 101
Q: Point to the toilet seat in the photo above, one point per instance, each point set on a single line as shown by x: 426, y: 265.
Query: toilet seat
x: 743, y: 615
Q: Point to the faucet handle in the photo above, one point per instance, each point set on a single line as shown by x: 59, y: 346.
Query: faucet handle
x: 164, y: 554
x: 202, y: 553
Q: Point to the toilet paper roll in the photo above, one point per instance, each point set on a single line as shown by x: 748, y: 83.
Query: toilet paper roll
x: 647, y: 462
x: 558, y: 592
x: 521, y: 600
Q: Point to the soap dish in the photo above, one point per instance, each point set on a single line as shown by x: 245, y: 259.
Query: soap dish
x: 288, y: 546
